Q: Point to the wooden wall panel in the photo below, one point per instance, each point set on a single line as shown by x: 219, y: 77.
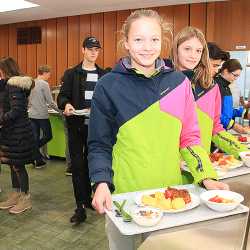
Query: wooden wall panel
x: 84, y: 32
x: 181, y: 17
x: 31, y: 60
x: 210, y: 22
x: 237, y: 9
x: 41, y: 49
x: 109, y: 39
x: 22, y: 53
x: 198, y: 16
x: 73, y: 40
x: 223, y: 31
x: 97, y: 31
x: 62, y: 47
x: 31, y: 69
x: 120, y: 18
x: 51, y: 49
x: 167, y: 13
x: 4, y: 41
x: 12, y: 41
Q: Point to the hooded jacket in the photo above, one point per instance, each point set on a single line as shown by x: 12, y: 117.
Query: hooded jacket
x: 228, y: 113
x: 209, y: 113
x: 17, y: 140
x: 139, y: 125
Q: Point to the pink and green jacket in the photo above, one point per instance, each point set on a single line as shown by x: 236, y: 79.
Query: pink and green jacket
x: 209, y: 113
x: 140, y: 125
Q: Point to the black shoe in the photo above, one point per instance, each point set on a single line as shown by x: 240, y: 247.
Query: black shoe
x: 68, y: 171
x: 79, y: 216
x: 40, y: 163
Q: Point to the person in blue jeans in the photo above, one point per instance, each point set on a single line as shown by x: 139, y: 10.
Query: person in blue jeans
x: 40, y: 100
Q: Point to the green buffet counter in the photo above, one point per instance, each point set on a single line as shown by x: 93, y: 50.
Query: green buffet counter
x: 56, y: 147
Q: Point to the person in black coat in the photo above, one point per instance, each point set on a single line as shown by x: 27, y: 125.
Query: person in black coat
x: 17, y: 140
x: 76, y: 92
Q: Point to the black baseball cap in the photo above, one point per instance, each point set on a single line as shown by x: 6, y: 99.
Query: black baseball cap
x: 91, y: 42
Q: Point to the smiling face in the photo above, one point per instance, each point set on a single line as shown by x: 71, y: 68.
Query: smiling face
x: 144, y: 44
x: 189, y: 54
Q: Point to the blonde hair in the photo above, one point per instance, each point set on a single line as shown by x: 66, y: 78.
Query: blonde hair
x: 166, y: 28
x: 202, y: 72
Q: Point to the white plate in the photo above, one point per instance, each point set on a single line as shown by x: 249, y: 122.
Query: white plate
x: 195, y: 201
x: 81, y: 112
x: 237, y: 164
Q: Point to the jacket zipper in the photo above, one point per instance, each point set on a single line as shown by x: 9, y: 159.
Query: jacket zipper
x: 197, y: 157
x: 229, y: 141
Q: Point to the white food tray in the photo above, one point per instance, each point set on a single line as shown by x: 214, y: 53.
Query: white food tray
x: 198, y: 214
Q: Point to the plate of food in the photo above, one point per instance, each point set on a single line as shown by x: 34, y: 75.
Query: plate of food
x: 170, y: 200
x: 221, y: 200
x: 222, y: 161
x: 244, y: 139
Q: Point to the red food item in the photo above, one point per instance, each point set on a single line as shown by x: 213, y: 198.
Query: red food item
x: 173, y: 193
x: 215, y: 156
x: 168, y: 194
x: 216, y: 198
x: 222, y: 163
x: 242, y: 138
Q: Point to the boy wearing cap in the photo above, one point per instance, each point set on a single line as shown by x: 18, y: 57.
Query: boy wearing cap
x: 78, y: 84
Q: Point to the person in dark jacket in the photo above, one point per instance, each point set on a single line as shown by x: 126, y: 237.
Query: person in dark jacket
x: 17, y: 140
x: 229, y: 72
x: 75, y: 96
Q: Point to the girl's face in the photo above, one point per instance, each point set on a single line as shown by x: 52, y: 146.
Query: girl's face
x: 189, y: 54
x: 231, y: 76
x: 144, y: 44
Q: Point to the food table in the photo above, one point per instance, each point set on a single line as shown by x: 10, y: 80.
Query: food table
x: 56, y: 147
x: 219, y: 233
x: 227, y: 233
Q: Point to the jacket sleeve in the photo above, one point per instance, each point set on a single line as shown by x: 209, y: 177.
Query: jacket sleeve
x: 48, y: 97
x: 18, y: 106
x: 239, y: 112
x: 193, y: 154
x: 217, y: 126
x: 228, y: 143
x: 65, y: 94
x: 227, y: 112
x: 101, y: 137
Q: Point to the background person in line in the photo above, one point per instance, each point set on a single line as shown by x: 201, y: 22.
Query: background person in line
x: 229, y: 72
x: 17, y: 141
x: 78, y: 84
x: 39, y: 102
x: 191, y: 56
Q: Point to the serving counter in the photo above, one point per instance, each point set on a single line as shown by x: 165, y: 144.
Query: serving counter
x: 229, y: 233
x: 56, y: 147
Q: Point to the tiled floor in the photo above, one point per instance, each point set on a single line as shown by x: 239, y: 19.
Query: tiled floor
x: 47, y: 225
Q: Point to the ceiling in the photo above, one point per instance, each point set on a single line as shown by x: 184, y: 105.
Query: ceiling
x: 59, y: 8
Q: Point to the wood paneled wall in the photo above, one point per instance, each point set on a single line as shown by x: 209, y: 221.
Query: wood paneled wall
x: 62, y: 37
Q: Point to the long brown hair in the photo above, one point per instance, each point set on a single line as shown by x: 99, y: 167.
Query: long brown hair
x: 166, y: 28
x: 9, y: 67
x: 202, y: 72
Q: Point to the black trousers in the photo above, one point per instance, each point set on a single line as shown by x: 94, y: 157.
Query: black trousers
x: 79, y: 163
x: 20, y: 178
x: 37, y: 126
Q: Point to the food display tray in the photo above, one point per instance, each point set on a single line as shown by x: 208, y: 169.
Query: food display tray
x: 198, y: 214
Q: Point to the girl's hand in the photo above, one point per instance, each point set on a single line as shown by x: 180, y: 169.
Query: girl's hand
x: 102, y: 198
x: 212, y: 184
